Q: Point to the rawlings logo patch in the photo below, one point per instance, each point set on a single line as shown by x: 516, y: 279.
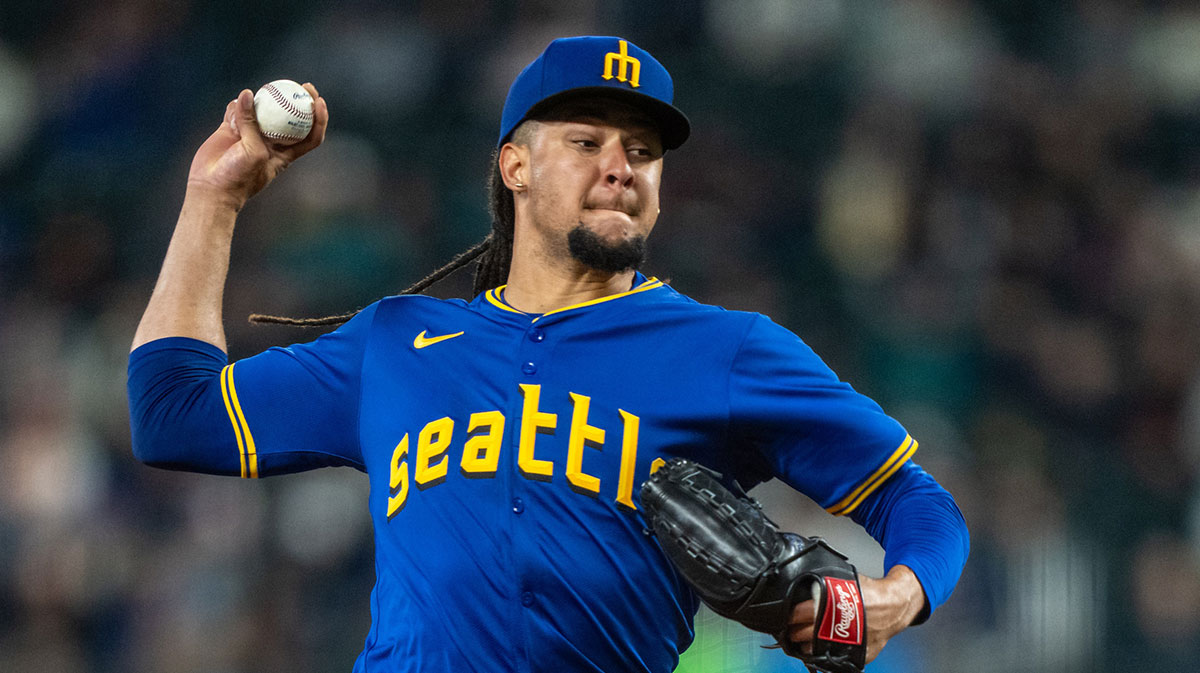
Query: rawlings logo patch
x: 843, y: 621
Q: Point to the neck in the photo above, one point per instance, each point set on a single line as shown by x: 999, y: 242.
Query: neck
x: 535, y: 288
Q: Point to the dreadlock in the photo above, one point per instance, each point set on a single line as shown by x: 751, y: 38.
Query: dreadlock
x: 494, y: 255
x: 493, y: 265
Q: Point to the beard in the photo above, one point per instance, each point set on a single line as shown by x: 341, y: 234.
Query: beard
x: 591, y: 250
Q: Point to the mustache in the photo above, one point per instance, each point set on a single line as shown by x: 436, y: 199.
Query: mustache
x: 629, y: 207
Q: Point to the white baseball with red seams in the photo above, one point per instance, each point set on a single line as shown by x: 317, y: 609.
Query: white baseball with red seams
x: 284, y: 111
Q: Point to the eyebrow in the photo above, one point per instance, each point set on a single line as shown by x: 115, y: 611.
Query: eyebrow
x: 647, y: 132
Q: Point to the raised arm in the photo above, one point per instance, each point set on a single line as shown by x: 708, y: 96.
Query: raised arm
x: 232, y: 165
x: 283, y: 410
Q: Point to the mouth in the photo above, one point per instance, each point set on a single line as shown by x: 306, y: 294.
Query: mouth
x: 623, y: 211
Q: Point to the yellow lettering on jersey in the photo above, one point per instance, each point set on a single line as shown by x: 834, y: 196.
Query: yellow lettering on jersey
x: 629, y: 444
x: 431, y: 446
x: 481, y: 453
x: 399, y: 479
x: 533, y: 422
x: 582, y: 435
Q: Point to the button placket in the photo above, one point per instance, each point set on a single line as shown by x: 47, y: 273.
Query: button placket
x: 536, y: 335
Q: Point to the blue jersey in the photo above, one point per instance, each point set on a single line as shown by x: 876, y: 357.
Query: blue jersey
x: 505, y: 451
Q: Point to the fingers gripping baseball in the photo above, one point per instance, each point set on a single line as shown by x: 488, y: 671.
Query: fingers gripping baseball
x: 236, y: 162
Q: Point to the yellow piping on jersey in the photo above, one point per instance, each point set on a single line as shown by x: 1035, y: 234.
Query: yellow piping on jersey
x: 494, y: 296
x: 246, y: 451
x: 901, y: 455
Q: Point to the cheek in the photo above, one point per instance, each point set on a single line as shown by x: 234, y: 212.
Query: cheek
x: 561, y: 178
x: 652, y: 180
x: 652, y: 175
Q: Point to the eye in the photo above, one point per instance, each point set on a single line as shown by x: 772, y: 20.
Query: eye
x: 586, y: 143
x: 643, y: 153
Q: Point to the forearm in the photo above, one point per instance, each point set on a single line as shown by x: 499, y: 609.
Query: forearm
x: 920, y: 528
x: 188, y: 296
x: 925, y: 540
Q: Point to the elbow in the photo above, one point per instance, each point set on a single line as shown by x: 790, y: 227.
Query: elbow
x: 179, y: 447
x: 177, y: 415
x: 158, y: 444
x: 148, y: 451
x: 186, y: 429
x: 964, y: 532
x: 143, y: 453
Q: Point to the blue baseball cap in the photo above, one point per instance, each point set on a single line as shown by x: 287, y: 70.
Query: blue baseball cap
x: 593, y: 65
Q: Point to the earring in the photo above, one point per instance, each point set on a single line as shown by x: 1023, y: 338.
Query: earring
x: 518, y: 184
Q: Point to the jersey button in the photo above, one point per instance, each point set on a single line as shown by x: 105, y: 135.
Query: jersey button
x: 527, y: 598
x: 518, y: 505
x: 529, y: 368
x: 537, y: 335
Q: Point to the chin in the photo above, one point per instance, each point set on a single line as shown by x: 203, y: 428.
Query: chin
x: 607, y: 254
x: 611, y: 226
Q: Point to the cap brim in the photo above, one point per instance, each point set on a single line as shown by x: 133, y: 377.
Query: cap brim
x: 674, y: 127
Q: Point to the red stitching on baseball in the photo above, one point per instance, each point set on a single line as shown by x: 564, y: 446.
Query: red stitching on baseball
x: 285, y: 103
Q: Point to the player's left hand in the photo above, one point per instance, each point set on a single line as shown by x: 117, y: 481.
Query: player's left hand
x: 891, y: 605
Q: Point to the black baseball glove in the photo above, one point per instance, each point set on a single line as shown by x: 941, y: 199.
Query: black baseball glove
x: 745, y: 569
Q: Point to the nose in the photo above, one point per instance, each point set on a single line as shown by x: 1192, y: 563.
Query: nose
x: 615, y: 165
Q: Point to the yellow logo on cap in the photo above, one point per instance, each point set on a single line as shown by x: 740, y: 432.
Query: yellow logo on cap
x: 626, y: 61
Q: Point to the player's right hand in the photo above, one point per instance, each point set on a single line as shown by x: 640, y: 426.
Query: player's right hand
x: 891, y: 604
x: 235, y: 162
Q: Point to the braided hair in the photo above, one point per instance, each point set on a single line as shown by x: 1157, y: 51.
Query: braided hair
x: 493, y: 254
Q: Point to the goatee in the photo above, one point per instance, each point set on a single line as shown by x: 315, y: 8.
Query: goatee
x: 593, y: 251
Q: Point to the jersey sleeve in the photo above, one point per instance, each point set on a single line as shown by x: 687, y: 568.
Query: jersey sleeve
x: 920, y: 526
x: 284, y: 410
x: 816, y: 432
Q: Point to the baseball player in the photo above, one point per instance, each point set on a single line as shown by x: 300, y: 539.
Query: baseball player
x: 505, y: 437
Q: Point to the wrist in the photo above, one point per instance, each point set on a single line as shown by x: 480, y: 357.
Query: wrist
x: 206, y: 214
x: 907, y: 590
x: 210, y: 198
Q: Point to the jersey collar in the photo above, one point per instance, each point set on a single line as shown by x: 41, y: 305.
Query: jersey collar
x: 641, y: 283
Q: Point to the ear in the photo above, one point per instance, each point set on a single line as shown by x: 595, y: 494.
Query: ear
x: 514, y: 166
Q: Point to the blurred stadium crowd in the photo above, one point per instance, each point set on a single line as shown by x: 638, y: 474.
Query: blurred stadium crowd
x: 985, y: 214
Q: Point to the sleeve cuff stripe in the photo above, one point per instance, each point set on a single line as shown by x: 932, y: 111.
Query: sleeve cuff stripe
x: 245, y: 440
x: 901, y: 455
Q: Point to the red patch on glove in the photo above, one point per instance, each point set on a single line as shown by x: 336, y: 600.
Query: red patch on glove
x: 843, y: 621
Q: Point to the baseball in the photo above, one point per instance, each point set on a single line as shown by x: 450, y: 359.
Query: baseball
x: 284, y: 111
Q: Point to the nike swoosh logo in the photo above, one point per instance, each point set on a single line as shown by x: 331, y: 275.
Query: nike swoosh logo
x: 422, y: 341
